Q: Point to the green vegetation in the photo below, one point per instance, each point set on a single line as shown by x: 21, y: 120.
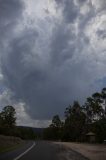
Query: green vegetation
x: 79, y: 120
x: 7, y: 117
x: 10, y: 148
x: 8, y: 125
x: 9, y: 143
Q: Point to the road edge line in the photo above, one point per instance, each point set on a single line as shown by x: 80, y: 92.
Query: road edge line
x: 22, y: 154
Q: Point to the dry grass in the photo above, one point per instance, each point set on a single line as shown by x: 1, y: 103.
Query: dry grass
x: 9, y: 142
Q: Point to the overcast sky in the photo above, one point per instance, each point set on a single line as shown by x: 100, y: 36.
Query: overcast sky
x: 52, y: 52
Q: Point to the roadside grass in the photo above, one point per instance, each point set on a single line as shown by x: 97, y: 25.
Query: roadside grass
x: 4, y: 149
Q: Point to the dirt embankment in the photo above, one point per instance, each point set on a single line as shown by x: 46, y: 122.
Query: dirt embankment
x: 7, y: 142
x: 91, y: 151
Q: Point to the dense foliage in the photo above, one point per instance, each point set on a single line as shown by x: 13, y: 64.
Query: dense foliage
x: 8, y: 125
x: 79, y: 120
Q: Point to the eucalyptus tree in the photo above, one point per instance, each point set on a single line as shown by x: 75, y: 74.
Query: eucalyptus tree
x: 7, y: 117
x: 74, y: 122
x: 104, y: 100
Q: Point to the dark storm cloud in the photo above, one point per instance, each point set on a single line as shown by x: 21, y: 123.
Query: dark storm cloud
x: 101, y: 33
x: 10, y: 10
x: 47, y: 69
x: 70, y: 11
x: 39, y: 87
x: 61, y: 50
x: 14, y: 60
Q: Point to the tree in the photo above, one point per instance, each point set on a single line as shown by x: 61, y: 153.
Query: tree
x: 56, y: 122
x: 99, y: 128
x: 104, y: 99
x: 74, y: 122
x: 54, y: 131
x: 93, y: 107
x: 79, y: 120
x: 97, y: 105
x: 7, y: 117
x: 26, y: 133
x: 95, y: 112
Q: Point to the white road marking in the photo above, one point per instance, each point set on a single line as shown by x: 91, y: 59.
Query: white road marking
x: 22, y: 154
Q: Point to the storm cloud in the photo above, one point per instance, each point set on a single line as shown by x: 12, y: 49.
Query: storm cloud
x: 52, y: 52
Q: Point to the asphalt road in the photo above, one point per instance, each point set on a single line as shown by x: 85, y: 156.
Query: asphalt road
x: 42, y: 151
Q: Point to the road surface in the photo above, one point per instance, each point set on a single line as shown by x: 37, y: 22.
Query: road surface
x: 42, y: 151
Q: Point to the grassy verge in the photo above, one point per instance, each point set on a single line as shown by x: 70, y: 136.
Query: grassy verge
x: 7, y: 149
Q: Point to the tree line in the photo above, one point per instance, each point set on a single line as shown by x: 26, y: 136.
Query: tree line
x: 79, y: 120
x: 8, y: 125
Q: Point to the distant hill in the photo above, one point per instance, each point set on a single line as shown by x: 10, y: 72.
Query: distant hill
x: 37, y: 131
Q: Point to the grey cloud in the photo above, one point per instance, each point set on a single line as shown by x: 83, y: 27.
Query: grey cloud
x: 101, y: 33
x: 61, y: 49
x: 13, y: 63
x: 9, y: 14
x: 48, y: 73
x: 9, y: 9
x: 69, y: 9
x: 82, y: 1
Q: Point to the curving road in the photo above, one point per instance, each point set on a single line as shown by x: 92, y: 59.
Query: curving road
x: 42, y: 151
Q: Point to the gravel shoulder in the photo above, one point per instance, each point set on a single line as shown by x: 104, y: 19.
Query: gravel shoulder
x: 65, y: 153
x: 90, y: 151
